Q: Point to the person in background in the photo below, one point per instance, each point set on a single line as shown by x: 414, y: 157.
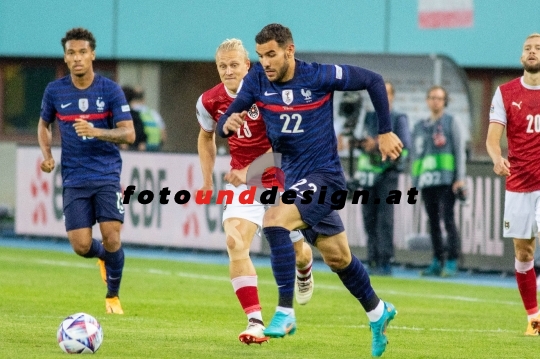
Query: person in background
x: 154, y: 126
x: 516, y: 108
x: 379, y: 178
x: 93, y: 116
x: 438, y: 171
x: 140, y: 135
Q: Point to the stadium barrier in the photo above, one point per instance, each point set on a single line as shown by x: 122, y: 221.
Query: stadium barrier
x: 39, y: 210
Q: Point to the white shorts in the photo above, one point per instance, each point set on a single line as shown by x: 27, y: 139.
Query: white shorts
x: 521, y: 214
x: 251, y: 212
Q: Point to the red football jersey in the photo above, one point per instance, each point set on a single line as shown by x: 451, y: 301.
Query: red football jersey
x: 517, y: 106
x: 250, y: 140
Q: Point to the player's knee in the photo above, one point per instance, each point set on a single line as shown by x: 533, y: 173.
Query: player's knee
x: 336, y: 259
x: 237, y: 246
x: 336, y: 262
x: 273, y: 218
x: 80, y: 243
x: 111, y: 240
x: 80, y: 249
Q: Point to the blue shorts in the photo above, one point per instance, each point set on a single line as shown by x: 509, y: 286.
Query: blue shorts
x: 84, y: 206
x: 320, y: 217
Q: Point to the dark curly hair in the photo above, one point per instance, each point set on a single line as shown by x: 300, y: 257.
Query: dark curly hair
x: 129, y: 92
x: 281, y: 34
x: 78, y: 33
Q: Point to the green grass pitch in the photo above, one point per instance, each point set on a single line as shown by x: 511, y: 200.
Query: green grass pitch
x: 178, y: 309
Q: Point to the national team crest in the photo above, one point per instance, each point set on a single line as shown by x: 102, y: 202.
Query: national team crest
x: 100, y: 104
x: 306, y: 94
x: 287, y: 96
x: 83, y: 104
x: 253, y: 112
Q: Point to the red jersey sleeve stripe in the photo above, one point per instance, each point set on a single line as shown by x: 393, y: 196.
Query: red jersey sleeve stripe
x: 305, y: 107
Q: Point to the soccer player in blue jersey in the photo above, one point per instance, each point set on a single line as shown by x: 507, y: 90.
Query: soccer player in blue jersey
x: 93, y: 117
x: 295, y: 99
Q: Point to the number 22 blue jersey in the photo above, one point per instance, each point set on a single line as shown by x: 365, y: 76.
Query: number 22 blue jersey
x: 299, y: 113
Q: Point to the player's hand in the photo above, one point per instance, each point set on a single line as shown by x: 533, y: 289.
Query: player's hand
x: 237, y: 177
x: 502, y: 167
x: 206, y: 188
x: 390, y: 146
x: 85, y: 128
x: 234, y: 122
x: 47, y: 165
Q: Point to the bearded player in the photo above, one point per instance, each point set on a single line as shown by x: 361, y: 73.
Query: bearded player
x: 242, y: 221
x: 516, y: 106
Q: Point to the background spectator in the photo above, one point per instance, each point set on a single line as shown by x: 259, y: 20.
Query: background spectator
x: 154, y: 126
x: 438, y: 170
x: 379, y: 178
x: 140, y: 135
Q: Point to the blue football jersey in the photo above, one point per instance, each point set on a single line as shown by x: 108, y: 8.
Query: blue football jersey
x: 103, y: 104
x: 299, y: 113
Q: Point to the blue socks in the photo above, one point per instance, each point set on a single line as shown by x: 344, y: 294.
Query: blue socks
x: 356, y: 280
x: 114, y: 265
x: 283, y: 260
x: 96, y: 250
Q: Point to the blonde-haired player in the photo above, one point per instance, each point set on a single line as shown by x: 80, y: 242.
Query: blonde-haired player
x: 242, y: 221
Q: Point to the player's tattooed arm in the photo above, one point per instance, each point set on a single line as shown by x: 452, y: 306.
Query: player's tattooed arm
x: 123, y: 133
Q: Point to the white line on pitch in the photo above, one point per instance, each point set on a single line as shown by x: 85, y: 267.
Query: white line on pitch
x: 456, y: 330
x: 270, y: 282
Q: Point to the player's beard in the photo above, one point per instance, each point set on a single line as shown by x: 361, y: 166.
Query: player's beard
x: 532, y: 69
x: 282, y: 71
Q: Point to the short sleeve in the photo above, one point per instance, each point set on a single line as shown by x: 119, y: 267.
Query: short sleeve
x: 119, y: 106
x: 206, y: 121
x: 48, y: 111
x: 497, y: 112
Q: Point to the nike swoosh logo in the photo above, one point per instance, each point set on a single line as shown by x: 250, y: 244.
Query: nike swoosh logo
x: 64, y: 105
x: 220, y: 112
x: 111, y: 278
x: 289, y: 328
x: 266, y: 93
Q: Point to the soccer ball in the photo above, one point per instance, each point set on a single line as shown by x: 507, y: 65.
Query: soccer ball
x: 80, y: 333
